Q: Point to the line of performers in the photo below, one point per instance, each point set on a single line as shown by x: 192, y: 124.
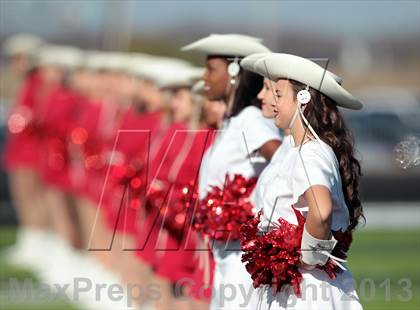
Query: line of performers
x: 230, y: 186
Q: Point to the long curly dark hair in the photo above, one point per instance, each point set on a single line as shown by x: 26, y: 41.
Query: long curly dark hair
x: 325, y: 118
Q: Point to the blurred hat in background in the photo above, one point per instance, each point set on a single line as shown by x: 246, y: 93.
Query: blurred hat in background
x: 21, y: 44
x: 68, y: 57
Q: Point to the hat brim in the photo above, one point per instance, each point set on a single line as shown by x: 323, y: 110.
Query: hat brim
x: 276, y: 66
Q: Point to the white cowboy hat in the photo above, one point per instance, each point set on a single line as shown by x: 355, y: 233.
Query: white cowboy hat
x: 248, y: 63
x: 237, y: 45
x: 163, y: 71
x: 116, y: 62
x: 275, y: 66
x: 183, y: 77
x: 59, y: 55
x: 21, y: 44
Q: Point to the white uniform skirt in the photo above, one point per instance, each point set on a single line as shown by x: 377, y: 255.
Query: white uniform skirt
x: 233, y: 289
x: 318, y: 292
x: 232, y: 284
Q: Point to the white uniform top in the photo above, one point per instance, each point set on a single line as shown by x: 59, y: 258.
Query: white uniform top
x: 283, y: 149
x: 286, y: 181
x: 234, y: 150
x: 281, y: 187
x: 257, y: 197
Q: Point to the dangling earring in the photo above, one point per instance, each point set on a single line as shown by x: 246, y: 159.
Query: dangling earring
x: 233, y: 70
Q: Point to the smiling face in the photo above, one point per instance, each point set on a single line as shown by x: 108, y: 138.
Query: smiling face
x: 266, y: 96
x: 216, y: 78
x: 284, y: 105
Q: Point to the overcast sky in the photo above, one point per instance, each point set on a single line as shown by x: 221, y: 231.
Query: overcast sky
x: 334, y: 18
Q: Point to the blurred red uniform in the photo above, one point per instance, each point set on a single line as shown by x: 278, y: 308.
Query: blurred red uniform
x: 22, y: 146
x: 138, y: 137
x: 174, y: 176
x: 61, y: 107
x: 92, y: 137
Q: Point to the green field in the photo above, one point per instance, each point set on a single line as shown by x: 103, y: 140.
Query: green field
x: 384, y: 263
x: 386, y: 266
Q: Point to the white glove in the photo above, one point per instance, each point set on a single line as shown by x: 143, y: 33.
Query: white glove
x: 316, y: 251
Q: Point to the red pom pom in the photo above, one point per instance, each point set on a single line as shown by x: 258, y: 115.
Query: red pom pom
x: 174, y: 204
x: 221, y: 214
x: 273, y: 258
x: 130, y: 177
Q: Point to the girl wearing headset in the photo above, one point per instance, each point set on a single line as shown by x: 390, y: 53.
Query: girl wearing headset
x: 232, y: 164
x: 295, y: 249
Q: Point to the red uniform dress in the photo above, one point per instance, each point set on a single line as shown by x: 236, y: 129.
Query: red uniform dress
x: 171, y: 250
x: 22, y: 146
x: 60, y: 106
x: 126, y: 183
x: 92, y: 137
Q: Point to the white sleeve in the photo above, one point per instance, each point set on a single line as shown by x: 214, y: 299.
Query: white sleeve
x: 311, y: 168
x: 257, y: 130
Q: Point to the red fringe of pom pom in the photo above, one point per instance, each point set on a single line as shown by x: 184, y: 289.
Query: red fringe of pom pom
x: 222, y: 213
x: 273, y: 258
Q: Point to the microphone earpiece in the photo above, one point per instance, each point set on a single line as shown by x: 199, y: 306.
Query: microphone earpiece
x: 303, y: 96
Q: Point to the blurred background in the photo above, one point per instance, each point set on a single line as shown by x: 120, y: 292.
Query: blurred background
x: 373, y: 45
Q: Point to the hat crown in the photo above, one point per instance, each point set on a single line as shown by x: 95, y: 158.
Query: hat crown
x: 237, y: 45
x: 237, y: 36
x: 60, y: 55
x: 166, y: 72
x: 21, y: 43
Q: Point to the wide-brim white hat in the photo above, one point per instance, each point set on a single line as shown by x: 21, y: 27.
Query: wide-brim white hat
x: 21, y: 44
x: 116, y: 62
x: 139, y: 59
x: 183, y: 77
x: 163, y: 71
x: 276, y: 66
x: 248, y: 63
x: 236, y: 45
x: 59, y: 55
x: 94, y: 60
